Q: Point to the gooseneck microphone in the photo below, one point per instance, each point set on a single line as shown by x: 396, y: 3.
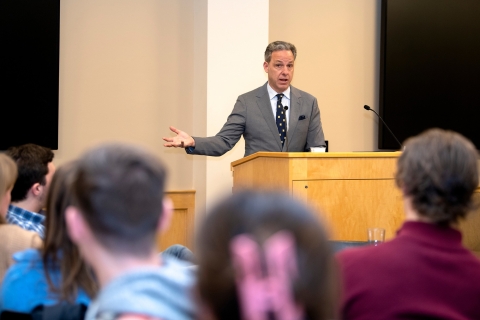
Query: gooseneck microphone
x: 285, y: 108
x: 370, y: 109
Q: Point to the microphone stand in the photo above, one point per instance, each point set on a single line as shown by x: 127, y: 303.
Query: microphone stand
x: 370, y: 109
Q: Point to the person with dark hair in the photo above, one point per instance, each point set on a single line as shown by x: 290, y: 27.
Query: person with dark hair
x: 265, y: 256
x: 12, y: 238
x: 35, y: 170
x: 56, y: 271
x: 274, y: 117
x: 424, y: 272
x: 118, y: 209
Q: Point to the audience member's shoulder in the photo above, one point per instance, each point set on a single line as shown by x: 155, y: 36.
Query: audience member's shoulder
x: 183, y: 269
x: 354, y: 255
x: 13, y: 241
x: 17, y: 239
x: 135, y: 317
x: 156, y: 288
x: 349, y: 254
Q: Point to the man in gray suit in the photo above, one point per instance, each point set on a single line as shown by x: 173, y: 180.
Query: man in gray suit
x: 274, y: 117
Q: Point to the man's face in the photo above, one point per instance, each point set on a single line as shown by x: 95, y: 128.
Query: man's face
x: 280, y: 70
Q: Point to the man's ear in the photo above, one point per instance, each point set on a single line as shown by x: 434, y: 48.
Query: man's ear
x: 36, y: 189
x: 265, y: 66
x: 76, y: 225
x: 166, y: 218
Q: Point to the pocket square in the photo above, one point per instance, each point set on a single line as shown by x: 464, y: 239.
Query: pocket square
x: 301, y: 117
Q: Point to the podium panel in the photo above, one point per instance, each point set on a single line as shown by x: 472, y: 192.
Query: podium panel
x: 350, y: 207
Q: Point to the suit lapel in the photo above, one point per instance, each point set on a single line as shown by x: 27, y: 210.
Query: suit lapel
x: 295, y: 112
x: 263, y: 102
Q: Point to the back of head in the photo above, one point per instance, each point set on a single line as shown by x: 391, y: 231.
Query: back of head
x: 32, y: 162
x: 261, y: 216
x: 279, y: 46
x: 8, y: 175
x: 119, y: 189
x: 438, y: 171
x: 59, y: 252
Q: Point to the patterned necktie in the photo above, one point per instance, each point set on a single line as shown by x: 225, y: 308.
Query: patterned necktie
x: 280, y: 119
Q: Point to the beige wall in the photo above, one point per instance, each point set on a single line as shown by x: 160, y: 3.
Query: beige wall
x: 338, y: 62
x: 131, y: 68
x: 126, y: 74
x: 199, y: 126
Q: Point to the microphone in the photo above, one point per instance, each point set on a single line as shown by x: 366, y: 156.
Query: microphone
x: 370, y: 109
x: 285, y: 108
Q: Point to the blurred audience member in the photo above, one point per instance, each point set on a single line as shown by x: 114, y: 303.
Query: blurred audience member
x: 29, y: 194
x: 55, y: 273
x: 425, y: 272
x: 118, y: 209
x: 12, y: 238
x: 180, y: 252
x: 265, y: 256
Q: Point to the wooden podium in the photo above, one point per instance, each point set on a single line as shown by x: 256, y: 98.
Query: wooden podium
x: 349, y: 191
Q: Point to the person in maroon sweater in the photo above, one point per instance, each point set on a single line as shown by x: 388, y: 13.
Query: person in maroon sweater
x: 424, y: 272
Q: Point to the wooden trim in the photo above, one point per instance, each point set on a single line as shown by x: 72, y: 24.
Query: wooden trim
x: 470, y: 226
x: 183, y: 220
x: 173, y: 192
x: 362, y: 155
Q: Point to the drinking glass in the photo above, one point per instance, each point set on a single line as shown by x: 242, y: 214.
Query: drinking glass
x: 376, y: 236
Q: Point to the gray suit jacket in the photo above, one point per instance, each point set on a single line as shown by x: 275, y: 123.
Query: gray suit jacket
x: 252, y: 116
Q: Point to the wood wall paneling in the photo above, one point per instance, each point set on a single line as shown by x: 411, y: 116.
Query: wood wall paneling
x: 470, y: 227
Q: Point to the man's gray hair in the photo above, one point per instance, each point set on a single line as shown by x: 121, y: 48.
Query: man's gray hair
x: 278, y: 46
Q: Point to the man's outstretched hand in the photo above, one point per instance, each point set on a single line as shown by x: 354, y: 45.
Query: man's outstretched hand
x: 181, y: 140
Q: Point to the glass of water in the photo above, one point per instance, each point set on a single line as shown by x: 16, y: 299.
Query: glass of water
x: 376, y: 236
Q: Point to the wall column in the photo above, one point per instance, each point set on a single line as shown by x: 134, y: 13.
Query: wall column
x: 230, y: 64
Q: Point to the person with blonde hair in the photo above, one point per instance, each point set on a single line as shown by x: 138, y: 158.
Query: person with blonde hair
x: 56, y: 271
x: 12, y: 238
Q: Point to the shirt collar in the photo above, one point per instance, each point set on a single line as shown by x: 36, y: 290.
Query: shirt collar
x: 430, y: 233
x: 272, y: 93
x: 21, y: 213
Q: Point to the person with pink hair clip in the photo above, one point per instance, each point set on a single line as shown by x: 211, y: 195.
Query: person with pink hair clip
x: 264, y: 256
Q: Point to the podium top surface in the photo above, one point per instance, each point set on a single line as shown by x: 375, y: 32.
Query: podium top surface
x: 394, y: 154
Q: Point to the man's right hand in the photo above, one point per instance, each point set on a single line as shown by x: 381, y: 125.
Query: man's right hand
x: 181, y: 140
